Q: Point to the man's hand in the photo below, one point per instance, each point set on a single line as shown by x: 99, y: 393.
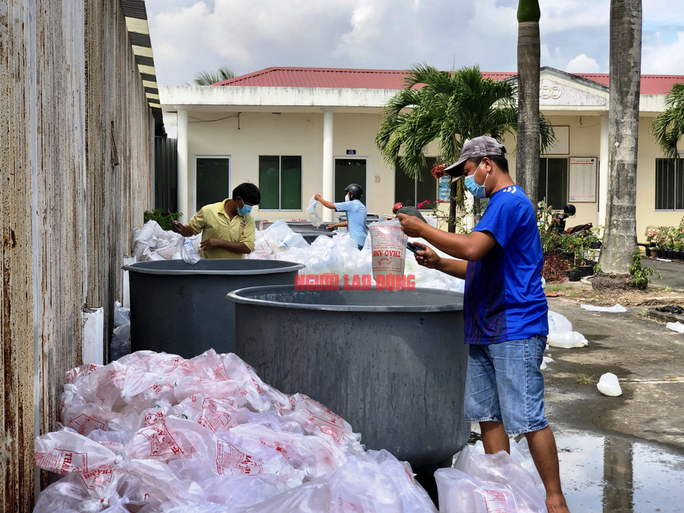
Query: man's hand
x: 211, y: 244
x: 318, y: 197
x: 427, y: 257
x: 331, y: 226
x: 411, y: 225
x: 177, y: 226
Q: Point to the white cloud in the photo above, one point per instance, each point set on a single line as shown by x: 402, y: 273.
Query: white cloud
x: 662, y: 58
x: 561, y: 15
x: 582, y: 64
x: 189, y: 36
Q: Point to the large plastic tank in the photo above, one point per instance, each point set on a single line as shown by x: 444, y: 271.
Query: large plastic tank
x: 180, y: 308
x: 393, y: 364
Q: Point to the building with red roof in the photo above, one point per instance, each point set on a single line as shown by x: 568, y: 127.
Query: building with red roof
x: 300, y: 131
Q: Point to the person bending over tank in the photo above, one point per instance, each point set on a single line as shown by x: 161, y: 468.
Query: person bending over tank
x: 356, y: 212
x: 505, y: 309
x: 400, y: 208
x: 227, y: 227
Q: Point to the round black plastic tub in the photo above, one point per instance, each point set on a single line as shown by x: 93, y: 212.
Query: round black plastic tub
x: 393, y: 364
x: 180, y: 308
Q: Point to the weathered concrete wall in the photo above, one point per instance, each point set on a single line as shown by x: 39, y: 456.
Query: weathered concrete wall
x: 16, y: 299
x: 71, y: 105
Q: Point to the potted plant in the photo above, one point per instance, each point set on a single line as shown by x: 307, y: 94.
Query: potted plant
x: 651, y: 238
x: 678, y: 244
x: 574, y: 274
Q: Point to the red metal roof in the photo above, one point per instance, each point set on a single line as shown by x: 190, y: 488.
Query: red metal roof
x: 394, y: 79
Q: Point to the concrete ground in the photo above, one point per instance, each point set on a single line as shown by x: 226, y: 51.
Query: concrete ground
x: 647, y: 358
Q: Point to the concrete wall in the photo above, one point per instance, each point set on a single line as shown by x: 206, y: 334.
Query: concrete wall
x: 67, y: 73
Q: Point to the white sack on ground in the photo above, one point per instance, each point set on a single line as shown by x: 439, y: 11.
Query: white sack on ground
x: 675, y: 326
x: 609, y: 385
x: 610, y: 309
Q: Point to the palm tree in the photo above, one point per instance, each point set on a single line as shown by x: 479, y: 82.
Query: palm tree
x: 623, y: 135
x: 450, y: 107
x: 668, y: 126
x: 527, y: 151
x: 204, y: 78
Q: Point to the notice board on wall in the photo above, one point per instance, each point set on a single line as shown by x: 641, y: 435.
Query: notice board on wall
x: 583, y: 179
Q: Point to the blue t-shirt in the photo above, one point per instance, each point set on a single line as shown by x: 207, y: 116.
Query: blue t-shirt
x: 504, y: 299
x: 356, y: 219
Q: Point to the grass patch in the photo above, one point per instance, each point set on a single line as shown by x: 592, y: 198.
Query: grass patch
x: 585, y: 379
x: 558, y: 287
x: 671, y: 378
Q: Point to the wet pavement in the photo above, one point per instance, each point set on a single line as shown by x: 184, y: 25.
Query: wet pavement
x: 619, y: 454
x: 613, y: 474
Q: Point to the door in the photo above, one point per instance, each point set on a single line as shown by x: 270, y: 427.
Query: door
x: 213, y: 180
x: 349, y: 171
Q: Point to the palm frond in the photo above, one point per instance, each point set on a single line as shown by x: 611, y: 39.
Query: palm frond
x: 204, y: 78
x: 668, y: 127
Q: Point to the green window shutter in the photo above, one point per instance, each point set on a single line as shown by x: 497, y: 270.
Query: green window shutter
x: 404, y: 187
x: 269, y: 182
x: 291, y: 183
x: 213, y: 175
x: 427, y: 188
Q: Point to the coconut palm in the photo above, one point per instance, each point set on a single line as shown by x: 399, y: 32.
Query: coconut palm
x: 668, y: 126
x: 527, y: 151
x: 450, y: 108
x: 204, y: 78
x: 623, y: 133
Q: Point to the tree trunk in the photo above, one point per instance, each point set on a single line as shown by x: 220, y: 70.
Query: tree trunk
x: 527, y: 151
x: 623, y: 135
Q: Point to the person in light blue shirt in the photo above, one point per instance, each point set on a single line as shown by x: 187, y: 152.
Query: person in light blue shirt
x: 356, y: 212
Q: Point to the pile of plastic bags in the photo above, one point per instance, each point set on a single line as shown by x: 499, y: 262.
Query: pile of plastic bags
x: 339, y: 254
x: 153, y: 243
x: 483, y: 483
x: 153, y: 432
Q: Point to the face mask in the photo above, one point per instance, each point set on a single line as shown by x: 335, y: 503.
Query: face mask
x: 246, y: 209
x: 346, y: 198
x: 476, y: 190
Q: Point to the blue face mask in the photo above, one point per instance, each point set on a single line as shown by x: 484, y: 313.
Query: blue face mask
x: 476, y: 190
x: 246, y: 209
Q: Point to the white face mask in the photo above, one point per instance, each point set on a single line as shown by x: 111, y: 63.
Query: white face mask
x: 346, y: 198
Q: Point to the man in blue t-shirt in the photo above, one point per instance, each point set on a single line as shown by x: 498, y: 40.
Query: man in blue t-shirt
x: 356, y: 212
x: 505, y: 309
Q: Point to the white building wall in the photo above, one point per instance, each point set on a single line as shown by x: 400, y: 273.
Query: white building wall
x: 261, y: 133
x: 291, y: 134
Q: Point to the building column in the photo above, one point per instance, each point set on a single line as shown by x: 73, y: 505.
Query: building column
x: 182, y: 123
x: 603, y: 174
x: 328, y: 163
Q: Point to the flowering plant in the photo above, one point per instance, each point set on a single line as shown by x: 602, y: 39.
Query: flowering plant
x: 428, y: 204
x: 438, y: 170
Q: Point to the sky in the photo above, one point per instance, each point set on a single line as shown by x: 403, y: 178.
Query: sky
x: 190, y: 36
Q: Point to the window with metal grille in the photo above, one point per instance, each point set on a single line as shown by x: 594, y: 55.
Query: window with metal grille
x: 669, y: 184
x: 553, y: 182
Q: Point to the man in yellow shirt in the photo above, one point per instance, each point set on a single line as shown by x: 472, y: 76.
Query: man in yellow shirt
x: 227, y: 227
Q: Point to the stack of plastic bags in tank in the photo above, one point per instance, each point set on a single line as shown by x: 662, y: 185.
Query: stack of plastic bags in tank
x: 339, y: 254
x: 152, y: 242
x: 153, y: 432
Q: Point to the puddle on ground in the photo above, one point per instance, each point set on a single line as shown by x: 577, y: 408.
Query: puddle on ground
x: 618, y: 475
x: 612, y: 474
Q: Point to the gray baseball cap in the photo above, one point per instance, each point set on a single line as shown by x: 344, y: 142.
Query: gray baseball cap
x: 482, y: 146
